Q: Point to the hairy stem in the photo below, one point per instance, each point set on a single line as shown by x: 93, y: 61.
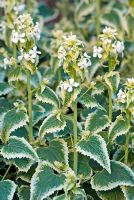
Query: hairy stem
x: 110, y: 103
x: 97, y: 18
x: 29, y: 106
x: 75, y: 137
x: 6, y: 172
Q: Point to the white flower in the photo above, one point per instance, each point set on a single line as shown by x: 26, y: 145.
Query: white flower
x: 19, y: 8
x: 84, y: 61
x: 29, y: 56
x: 121, y: 96
x: 15, y: 37
x: 97, y: 52
x: 71, y: 40
x: 22, y: 38
x: 37, y: 31
x: 119, y: 46
x: 6, y: 63
x: 69, y: 85
x: 33, y: 54
x: 61, y: 54
x: 130, y: 82
x: 110, y: 32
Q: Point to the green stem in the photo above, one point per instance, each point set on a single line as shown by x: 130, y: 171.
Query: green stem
x: 6, y: 172
x: 110, y: 103
x: 75, y: 137
x: 29, y: 106
x: 126, y: 148
x: 97, y: 18
x: 127, y: 140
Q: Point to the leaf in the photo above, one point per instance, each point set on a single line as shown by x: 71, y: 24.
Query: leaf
x: 88, y: 100
x: 112, y: 79
x: 68, y: 97
x: 121, y: 175
x: 48, y: 96
x: 13, y: 120
x: 128, y: 192
x: 97, y: 121
x: 23, y: 164
x: 84, y: 168
x: 114, y: 194
x: 38, y: 113
x: 45, y: 182
x: 51, y: 124
x: 119, y: 127
x: 7, y: 189
x: 95, y: 147
x: 15, y: 74
x: 18, y: 148
x: 4, y: 88
x: 24, y: 192
x: 56, y: 151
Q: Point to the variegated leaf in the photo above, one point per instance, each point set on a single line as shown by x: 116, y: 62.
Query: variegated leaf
x: 94, y: 146
x: 114, y: 194
x: 18, y: 148
x: 119, y: 127
x: 12, y: 120
x: 7, y: 189
x: 24, y: 192
x: 51, y: 182
x: 97, y: 121
x: 48, y: 96
x: 51, y: 124
x: 23, y: 164
x: 5, y: 88
x: 128, y: 192
x: 88, y: 100
x: 121, y: 175
x: 112, y: 79
x: 56, y: 152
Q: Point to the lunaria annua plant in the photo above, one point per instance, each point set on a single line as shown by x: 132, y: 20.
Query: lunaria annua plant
x: 66, y: 119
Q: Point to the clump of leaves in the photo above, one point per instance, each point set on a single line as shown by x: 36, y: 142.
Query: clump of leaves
x: 65, y: 132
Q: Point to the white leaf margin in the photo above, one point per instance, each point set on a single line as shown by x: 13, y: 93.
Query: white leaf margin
x: 34, y: 181
x: 111, y: 186
x: 85, y: 153
x: 20, y: 155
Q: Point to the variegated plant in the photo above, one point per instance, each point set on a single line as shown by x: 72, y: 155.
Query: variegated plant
x: 66, y: 119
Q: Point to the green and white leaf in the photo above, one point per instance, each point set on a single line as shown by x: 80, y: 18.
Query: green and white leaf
x: 23, y: 164
x: 7, y: 189
x: 95, y: 147
x: 112, y: 79
x: 57, y: 151
x: 5, y: 88
x: 97, y: 121
x: 118, y: 127
x: 128, y: 192
x: 114, y: 194
x: 15, y: 74
x: 51, y: 124
x: 121, y: 175
x: 18, y: 148
x: 24, y: 192
x: 45, y: 182
x: 13, y: 120
x: 48, y: 96
x: 88, y: 100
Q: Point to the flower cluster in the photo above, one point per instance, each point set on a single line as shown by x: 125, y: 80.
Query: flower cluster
x: 68, y: 85
x: 31, y: 55
x: 121, y: 96
x: 25, y: 30
x: 109, y: 44
x: 70, y: 54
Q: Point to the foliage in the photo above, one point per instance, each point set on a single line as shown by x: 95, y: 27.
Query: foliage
x: 66, y: 100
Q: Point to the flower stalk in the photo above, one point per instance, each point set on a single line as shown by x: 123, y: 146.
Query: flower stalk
x: 97, y: 18
x: 29, y: 106
x: 75, y: 137
x: 127, y: 140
